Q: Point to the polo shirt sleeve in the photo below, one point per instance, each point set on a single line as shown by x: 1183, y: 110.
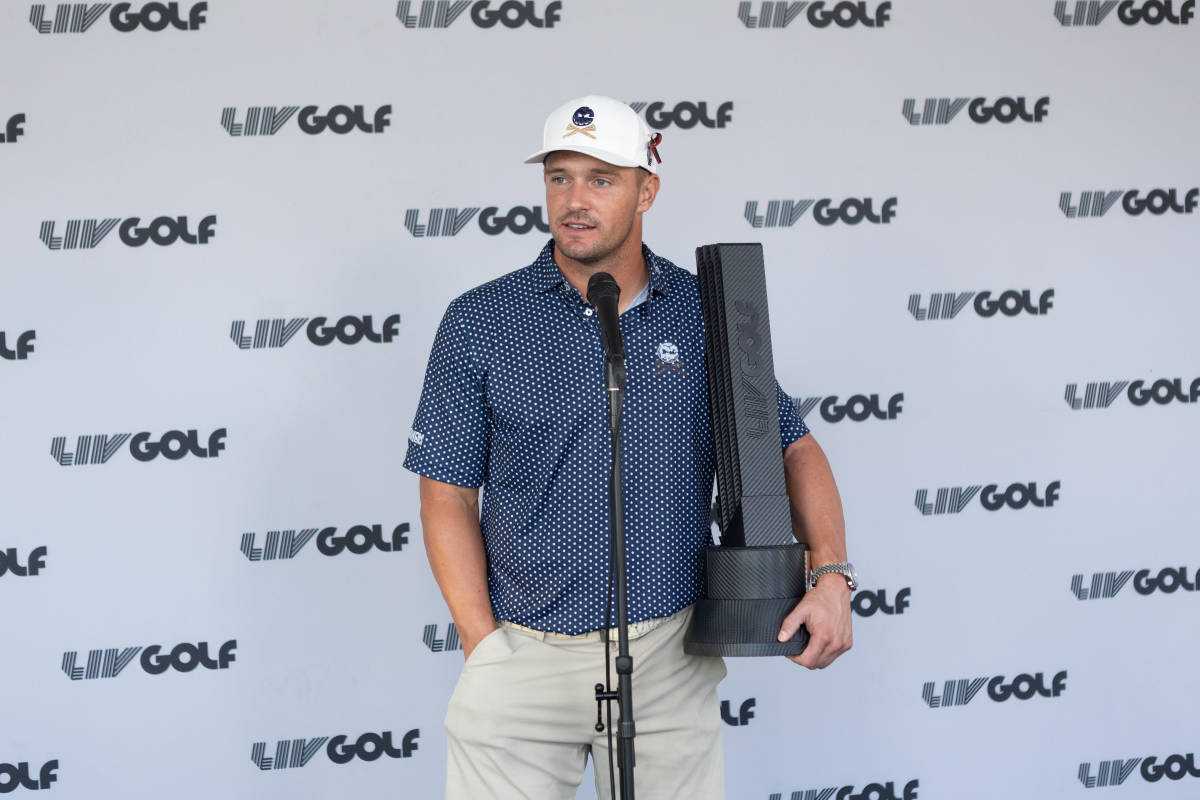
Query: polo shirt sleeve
x: 449, y: 438
x: 791, y: 424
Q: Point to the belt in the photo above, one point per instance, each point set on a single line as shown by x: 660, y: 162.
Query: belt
x: 636, y: 629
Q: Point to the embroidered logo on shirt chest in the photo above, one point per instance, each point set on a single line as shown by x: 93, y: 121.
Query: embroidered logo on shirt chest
x: 668, y: 359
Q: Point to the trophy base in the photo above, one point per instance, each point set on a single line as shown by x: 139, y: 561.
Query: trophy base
x: 765, y: 584
x: 742, y: 628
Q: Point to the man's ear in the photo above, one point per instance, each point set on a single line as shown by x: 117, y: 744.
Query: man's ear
x: 647, y: 192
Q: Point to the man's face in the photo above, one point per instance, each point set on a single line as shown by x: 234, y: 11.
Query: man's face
x: 591, y: 204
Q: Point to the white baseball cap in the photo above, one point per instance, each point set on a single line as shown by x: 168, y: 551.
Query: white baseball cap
x: 600, y: 127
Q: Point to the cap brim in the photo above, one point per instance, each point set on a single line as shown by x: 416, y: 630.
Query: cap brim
x: 595, y: 152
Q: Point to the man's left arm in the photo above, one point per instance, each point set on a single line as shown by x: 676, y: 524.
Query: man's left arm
x: 817, y: 519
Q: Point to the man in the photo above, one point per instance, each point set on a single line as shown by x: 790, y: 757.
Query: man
x: 514, y: 402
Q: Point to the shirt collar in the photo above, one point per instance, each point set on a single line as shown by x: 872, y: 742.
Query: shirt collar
x: 547, y: 275
x: 658, y: 278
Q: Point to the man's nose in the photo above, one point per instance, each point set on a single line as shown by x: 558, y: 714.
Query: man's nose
x: 577, y: 197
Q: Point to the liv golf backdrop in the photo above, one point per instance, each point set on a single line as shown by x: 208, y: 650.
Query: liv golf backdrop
x: 230, y: 228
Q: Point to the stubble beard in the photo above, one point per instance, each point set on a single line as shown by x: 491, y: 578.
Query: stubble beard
x: 598, y: 252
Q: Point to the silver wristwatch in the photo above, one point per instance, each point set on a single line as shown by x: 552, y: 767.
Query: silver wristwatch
x: 844, y: 568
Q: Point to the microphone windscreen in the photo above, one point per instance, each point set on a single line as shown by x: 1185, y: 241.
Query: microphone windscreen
x: 601, y: 286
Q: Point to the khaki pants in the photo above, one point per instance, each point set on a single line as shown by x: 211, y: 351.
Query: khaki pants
x: 521, y: 722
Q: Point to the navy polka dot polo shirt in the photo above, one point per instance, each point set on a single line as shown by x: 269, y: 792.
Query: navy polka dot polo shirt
x: 514, y: 401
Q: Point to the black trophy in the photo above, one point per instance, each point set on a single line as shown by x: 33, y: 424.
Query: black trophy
x: 759, y: 572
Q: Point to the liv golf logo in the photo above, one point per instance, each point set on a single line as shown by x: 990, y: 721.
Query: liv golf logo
x: 1150, y: 12
x: 872, y: 791
x: 685, y: 115
x: 857, y: 407
x: 13, y: 129
x: 1010, y: 303
x: 1102, y: 394
x: 20, y: 348
x: 448, y: 644
x: 954, y: 499
x: 1157, y: 202
x: 295, y: 753
x: 1153, y: 769
x: 868, y: 602
x: 11, y: 562
x: 742, y: 717
x: 358, y: 539
x: 172, y: 445
x: 269, y: 120
x: 275, y: 333
x: 1023, y: 687
x: 1106, y: 585
x: 943, y: 110
x: 844, y: 14
x: 509, y: 14
x: 493, y: 222
x: 85, y: 234
x: 154, y: 661
x: 78, y: 17
x: 851, y: 211
x: 20, y: 774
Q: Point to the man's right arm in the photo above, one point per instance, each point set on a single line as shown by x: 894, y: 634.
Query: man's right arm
x: 454, y: 545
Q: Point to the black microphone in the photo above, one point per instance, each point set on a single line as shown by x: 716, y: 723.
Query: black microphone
x: 603, y: 292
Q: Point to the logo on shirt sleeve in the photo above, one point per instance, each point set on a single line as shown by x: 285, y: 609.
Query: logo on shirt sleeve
x: 416, y: 437
x: 668, y: 359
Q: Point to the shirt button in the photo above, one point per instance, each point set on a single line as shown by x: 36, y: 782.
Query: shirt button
x: 587, y: 312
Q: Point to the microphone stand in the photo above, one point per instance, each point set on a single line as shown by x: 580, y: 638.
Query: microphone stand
x: 603, y: 292
x: 614, y: 375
